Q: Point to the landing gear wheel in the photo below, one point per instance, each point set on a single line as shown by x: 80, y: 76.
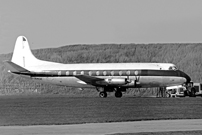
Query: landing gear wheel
x: 103, y: 94
x: 118, y: 94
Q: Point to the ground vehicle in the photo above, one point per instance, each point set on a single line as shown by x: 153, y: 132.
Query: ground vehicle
x: 175, y: 91
x: 190, y: 90
x: 198, y: 88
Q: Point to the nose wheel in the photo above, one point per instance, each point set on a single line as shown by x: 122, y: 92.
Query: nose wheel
x: 103, y: 94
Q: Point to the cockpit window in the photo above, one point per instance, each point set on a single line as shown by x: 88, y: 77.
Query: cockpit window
x: 172, y: 68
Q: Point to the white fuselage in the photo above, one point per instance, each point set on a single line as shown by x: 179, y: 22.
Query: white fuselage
x: 106, y: 71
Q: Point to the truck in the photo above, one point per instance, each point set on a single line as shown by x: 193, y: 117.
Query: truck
x: 175, y: 91
x: 191, y: 90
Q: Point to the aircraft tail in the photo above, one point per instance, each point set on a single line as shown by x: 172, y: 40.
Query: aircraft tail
x: 22, y: 55
x: 23, y: 60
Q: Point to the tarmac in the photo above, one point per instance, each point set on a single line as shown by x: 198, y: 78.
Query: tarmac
x: 105, y: 128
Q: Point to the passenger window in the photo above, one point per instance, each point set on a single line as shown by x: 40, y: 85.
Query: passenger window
x: 82, y: 72
x: 67, y: 73
x: 59, y: 73
x: 136, y: 72
x: 104, y: 73
x: 120, y: 73
x: 112, y: 73
x: 128, y: 72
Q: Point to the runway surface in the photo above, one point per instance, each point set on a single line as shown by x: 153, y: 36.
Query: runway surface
x: 106, y: 128
x: 62, y: 110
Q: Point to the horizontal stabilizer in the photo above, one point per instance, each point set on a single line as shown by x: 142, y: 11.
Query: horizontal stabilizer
x: 14, y: 68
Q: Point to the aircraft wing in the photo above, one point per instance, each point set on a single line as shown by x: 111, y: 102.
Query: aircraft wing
x: 89, y: 79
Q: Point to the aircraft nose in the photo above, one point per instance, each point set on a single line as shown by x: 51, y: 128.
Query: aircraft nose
x: 182, y: 74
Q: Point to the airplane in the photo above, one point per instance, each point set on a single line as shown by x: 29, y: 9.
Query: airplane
x: 105, y: 77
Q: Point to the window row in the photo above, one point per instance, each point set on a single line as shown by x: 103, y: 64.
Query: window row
x: 99, y: 73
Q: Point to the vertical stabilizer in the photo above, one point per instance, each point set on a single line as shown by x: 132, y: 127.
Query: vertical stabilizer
x: 22, y: 54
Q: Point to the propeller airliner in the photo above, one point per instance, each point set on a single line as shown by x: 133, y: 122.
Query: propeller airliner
x: 105, y: 77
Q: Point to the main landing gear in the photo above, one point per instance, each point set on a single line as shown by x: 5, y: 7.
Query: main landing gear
x: 118, y: 92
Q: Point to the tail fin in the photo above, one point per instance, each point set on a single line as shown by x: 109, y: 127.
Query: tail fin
x: 24, y: 61
x: 22, y: 55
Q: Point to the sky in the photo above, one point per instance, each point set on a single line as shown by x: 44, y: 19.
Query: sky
x: 55, y: 23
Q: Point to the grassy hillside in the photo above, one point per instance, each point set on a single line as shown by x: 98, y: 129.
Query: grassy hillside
x: 187, y: 57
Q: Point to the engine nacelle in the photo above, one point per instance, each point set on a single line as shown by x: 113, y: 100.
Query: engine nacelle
x: 111, y: 82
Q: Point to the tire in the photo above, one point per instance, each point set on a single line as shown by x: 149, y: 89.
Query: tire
x: 186, y: 93
x: 118, y: 94
x: 167, y: 95
x: 193, y: 91
x: 103, y: 94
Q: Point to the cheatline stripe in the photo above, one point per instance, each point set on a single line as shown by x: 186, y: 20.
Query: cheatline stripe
x: 176, y: 73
